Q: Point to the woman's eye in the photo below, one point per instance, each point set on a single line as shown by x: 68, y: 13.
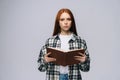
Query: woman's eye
x: 61, y: 19
x: 69, y: 19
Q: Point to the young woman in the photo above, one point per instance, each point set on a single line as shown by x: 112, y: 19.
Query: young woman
x: 64, y: 37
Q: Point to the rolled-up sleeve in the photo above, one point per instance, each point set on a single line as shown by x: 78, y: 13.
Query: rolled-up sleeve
x: 42, y: 65
x: 85, y: 66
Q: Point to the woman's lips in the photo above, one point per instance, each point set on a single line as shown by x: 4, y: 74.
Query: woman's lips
x: 66, y: 26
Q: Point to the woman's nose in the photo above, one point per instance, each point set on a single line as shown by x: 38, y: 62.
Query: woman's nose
x: 65, y: 22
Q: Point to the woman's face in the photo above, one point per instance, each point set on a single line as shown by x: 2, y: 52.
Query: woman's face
x: 65, y: 22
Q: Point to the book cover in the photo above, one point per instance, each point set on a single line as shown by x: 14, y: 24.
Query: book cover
x: 65, y: 58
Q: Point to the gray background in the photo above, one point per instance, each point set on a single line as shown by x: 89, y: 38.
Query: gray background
x: 26, y: 24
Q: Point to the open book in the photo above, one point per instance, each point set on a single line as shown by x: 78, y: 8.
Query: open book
x: 65, y: 58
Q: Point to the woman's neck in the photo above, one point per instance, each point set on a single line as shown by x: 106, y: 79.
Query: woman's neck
x: 65, y: 32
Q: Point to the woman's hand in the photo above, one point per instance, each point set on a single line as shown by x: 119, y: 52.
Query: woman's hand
x: 81, y: 58
x: 48, y: 59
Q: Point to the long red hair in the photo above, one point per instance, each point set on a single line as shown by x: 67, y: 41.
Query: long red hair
x: 57, y: 27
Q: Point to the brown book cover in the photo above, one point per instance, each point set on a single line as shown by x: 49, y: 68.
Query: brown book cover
x: 64, y: 58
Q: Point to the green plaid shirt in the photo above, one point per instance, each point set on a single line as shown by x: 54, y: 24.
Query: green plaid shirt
x: 53, y: 70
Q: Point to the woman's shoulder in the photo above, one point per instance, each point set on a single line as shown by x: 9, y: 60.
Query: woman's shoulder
x: 52, y: 38
x: 79, y: 38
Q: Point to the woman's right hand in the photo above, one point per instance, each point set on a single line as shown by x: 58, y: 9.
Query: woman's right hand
x: 48, y: 59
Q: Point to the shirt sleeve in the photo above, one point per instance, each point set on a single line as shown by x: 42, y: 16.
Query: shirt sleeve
x: 42, y: 65
x: 85, y: 66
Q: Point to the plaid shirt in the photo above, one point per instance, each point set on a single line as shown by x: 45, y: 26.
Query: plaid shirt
x: 53, y: 70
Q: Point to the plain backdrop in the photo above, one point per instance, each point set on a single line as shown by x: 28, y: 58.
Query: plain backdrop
x: 26, y: 24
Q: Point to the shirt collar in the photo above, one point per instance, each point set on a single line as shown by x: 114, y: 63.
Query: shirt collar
x: 74, y: 37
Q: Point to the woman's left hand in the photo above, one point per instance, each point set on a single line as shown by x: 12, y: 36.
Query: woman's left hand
x: 81, y: 58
